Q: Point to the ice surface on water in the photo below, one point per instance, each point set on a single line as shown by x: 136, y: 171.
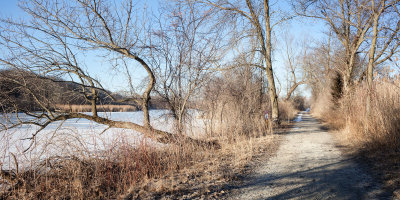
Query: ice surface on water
x: 81, y: 136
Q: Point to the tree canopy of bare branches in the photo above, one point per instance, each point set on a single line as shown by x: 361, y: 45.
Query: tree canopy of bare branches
x: 257, y: 15
x: 189, y: 47
x: 54, y: 41
x: 351, y: 22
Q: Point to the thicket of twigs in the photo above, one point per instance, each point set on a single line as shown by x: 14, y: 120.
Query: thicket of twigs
x: 232, y: 113
x: 47, y: 57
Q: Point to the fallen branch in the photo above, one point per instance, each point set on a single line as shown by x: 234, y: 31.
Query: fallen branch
x: 149, y: 132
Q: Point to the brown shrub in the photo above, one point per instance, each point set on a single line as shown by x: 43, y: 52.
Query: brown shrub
x: 381, y: 127
x: 287, y: 110
x: 235, y: 105
x: 104, y: 175
x: 327, y: 108
x: 374, y: 135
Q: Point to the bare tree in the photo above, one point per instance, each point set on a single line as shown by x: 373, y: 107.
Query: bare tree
x: 190, y: 46
x: 350, y: 22
x: 318, y: 65
x: 293, y: 63
x: 384, y: 40
x: 233, y: 103
x: 259, y: 19
x: 54, y: 44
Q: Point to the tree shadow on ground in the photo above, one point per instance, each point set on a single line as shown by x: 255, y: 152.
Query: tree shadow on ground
x: 331, y: 181
x: 343, y: 179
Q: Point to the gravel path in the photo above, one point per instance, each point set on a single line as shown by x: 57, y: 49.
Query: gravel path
x: 309, y: 166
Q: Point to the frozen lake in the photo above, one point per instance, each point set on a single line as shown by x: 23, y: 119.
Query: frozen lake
x: 81, y: 136
x: 157, y: 117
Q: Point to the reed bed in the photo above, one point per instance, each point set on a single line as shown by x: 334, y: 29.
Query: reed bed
x: 101, y: 108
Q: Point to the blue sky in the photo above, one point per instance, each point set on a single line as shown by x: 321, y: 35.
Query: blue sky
x: 298, y: 28
x: 96, y: 66
x: 8, y: 7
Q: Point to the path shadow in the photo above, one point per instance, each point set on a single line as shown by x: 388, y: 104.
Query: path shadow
x: 330, y: 181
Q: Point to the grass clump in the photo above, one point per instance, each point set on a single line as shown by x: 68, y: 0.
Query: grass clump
x: 374, y: 134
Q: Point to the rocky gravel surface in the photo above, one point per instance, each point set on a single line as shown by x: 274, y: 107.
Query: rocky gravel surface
x: 308, y: 165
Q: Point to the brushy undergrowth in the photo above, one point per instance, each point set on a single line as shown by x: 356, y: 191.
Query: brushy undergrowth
x: 211, y: 175
x: 374, y: 135
x: 233, y: 114
x: 287, y: 110
x: 103, y: 175
x: 378, y: 128
x: 143, y: 170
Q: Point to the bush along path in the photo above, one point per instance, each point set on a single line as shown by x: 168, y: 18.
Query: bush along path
x: 308, y: 165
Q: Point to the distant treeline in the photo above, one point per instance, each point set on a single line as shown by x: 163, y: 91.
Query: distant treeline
x: 62, y: 95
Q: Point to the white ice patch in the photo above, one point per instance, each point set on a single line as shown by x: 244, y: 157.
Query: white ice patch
x: 81, y: 136
x: 298, y: 118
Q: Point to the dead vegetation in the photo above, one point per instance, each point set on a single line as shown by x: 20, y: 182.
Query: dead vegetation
x: 374, y: 136
x: 233, y: 104
x: 104, y: 175
x: 101, y: 108
x: 145, y: 171
x: 212, y: 175
x: 233, y: 116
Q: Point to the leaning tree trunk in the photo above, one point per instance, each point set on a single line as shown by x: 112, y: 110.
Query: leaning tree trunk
x: 292, y: 88
x: 146, y: 93
x: 266, y: 51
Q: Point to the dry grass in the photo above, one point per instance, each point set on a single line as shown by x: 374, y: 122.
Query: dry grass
x: 144, y: 171
x: 381, y: 127
x: 323, y: 108
x: 287, y: 110
x: 374, y: 136
x: 104, y: 175
x: 377, y: 135
x: 212, y: 174
x: 101, y: 108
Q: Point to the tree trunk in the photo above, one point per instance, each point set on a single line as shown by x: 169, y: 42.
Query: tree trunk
x: 289, y: 94
x: 150, y: 86
x: 268, y: 62
x: 93, y: 103
x: 348, y: 75
x: 346, y: 83
x: 146, y: 114
x: 371, y: 60
x: 157, y: 135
